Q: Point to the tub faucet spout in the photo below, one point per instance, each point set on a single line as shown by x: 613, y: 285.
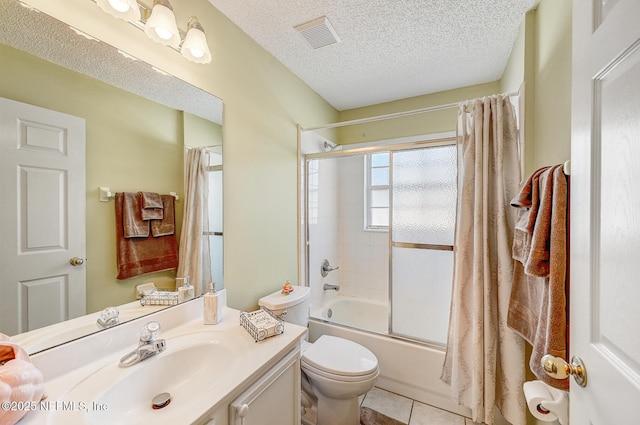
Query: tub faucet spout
x: 328, y: 287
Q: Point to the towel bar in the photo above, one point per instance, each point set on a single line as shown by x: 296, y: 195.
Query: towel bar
x: 106, y: 195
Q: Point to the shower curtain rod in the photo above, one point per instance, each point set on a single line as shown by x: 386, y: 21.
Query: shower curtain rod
x: 394, y: 115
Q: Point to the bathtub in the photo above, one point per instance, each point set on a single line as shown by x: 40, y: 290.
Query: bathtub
x: 368, y: 315
x: 406, y: 368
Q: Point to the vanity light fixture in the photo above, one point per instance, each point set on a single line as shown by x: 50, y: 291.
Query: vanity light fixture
x: 195, y: 47
x: 122, y: 9
x: 161, y: 26
x: 159, y: 23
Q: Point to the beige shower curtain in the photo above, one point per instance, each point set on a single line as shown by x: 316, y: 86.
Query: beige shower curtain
x: 194, y: 257
x: 484, y: 363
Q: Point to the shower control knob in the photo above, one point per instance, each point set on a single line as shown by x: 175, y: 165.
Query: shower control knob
x: 325, y: 268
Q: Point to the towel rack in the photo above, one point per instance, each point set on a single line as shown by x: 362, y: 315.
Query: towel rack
x: 567, y: 167
x: 106, y: 195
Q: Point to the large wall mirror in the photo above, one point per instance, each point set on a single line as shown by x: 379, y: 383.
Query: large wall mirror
x: 138, y: 122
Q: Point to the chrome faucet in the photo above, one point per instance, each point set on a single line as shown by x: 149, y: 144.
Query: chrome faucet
x: 148, y: 346
x: 108, y: 318
x: 328, y: 287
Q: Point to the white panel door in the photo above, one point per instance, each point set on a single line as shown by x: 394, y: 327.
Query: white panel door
x: 42, y: 218
x: 605, y: 211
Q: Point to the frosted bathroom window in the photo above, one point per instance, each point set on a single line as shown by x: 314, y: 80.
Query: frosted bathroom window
x: 424, y: 195
x: 423, y: 219
x: 377, y: 190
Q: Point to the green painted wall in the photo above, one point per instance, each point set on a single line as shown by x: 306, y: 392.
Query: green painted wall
x: 431, y: 122
x: 552, y: 85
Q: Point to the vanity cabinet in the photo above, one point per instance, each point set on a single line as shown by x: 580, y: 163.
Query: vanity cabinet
x: 274, y: 398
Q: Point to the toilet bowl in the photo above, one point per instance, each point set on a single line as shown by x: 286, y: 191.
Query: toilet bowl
x: 339, y: 371
x: 336, y: 371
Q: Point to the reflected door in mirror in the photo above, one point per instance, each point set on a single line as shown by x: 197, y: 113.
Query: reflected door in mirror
x: 42, y: 158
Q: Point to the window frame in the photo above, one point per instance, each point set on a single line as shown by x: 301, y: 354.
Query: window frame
x: 369, y: 188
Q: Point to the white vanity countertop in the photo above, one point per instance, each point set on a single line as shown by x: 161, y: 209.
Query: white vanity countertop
x: 66, y: 366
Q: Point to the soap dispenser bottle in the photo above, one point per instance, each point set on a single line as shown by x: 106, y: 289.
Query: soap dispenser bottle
x: 185, y: 291
x: 212, y: 307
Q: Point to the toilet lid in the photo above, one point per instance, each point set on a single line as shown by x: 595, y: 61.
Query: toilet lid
x: 339, y: 356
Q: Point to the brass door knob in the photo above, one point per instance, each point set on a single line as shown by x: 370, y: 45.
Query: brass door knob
x: 557, y: 368
x: 76, y: 261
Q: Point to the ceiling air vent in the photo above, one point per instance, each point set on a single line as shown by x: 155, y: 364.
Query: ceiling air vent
x: 319, y: 32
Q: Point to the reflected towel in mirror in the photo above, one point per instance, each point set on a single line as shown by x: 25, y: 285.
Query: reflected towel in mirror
x: 137, y: 256
x: 151, y: 205
x: 133, y: 224
x: 165, y: 226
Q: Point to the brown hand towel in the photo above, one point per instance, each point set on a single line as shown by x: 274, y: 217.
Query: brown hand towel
x: 166, y: 226
x: 538, y: 305
x: 132, y: 222
x: 151, y: 204
x: 527, y: 201
x: 137, y: 256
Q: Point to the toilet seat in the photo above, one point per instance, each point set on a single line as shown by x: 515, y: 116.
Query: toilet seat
x: 339, y: 359
x: 308, y: 369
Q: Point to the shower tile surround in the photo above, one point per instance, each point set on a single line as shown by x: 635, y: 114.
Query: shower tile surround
x: 364, y: 253
x: 336, y: 229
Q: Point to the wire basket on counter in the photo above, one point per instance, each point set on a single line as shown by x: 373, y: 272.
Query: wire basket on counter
x: 261, y: 324
x: 159, y: 298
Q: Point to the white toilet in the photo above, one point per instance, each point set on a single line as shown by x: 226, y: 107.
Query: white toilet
x: 335, y: 371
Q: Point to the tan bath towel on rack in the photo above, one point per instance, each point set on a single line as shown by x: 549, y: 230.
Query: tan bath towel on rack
x: 137, y: 256
x: 537, y: 308
x: 167, y: 225
x: 133, y: 224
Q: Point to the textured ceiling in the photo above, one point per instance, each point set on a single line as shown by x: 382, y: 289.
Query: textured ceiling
x: 389, y: 49
x: 43, y: 36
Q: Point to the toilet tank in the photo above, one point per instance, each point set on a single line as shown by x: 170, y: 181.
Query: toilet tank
x: 292, y: 308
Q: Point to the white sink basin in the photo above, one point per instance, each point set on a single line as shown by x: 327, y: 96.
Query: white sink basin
x: 187, y: 369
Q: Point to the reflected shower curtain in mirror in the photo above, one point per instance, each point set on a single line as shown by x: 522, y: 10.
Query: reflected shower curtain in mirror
x: 484, y: 362
x: 194, y: 258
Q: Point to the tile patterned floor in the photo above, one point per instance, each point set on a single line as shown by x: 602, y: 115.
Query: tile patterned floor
x: 409, y: 411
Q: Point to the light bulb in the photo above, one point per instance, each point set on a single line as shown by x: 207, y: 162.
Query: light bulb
x: 195, y: 46
x: 197, y: 53
x: 163, y: 33
x: 119, y: 5
x: 122, y: 9
x: 161, y: 26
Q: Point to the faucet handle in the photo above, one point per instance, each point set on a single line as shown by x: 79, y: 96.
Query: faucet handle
x: 149, y: 331
x: 325, y: 268
x: 108, y: 317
